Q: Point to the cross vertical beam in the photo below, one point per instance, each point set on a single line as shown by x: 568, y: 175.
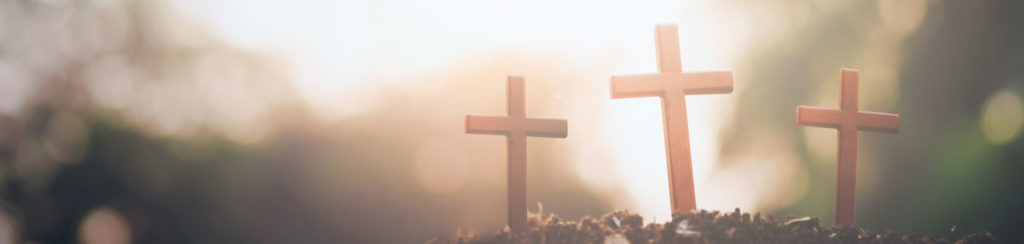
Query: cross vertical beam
x: 516, y: 95
x: 516, y: 172
x: 666, y: 38
x: 516, y: 181
x: 677, y: 148
x: 516, y: 127
x: 845, y: 204
x: 847, y: 120
x: 846, y: 177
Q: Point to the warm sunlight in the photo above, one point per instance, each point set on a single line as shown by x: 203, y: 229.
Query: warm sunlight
x: 333, y: 63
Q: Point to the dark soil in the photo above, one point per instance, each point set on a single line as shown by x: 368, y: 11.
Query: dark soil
x: 702, y: 227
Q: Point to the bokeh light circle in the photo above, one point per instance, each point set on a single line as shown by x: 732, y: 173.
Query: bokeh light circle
x: 1002, y: 116
x: 106, y: 226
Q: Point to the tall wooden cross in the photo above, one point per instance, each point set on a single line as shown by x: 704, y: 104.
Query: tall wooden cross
x: 672, y: 85
x: 848, y: 120
x: 516, y: 127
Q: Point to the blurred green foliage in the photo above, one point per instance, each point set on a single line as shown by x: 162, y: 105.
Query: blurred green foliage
x: 70, y: 149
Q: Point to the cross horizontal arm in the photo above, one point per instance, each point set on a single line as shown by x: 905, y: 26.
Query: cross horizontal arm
x: 649, y: 85
x: 646, y: 85
x: 554, y: 128
x: 718, y: 82
x: 878, y: 122
x: 818, y: 117
x: 486, y: 124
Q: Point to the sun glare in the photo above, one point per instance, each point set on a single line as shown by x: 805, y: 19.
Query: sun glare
x: 333, y: 51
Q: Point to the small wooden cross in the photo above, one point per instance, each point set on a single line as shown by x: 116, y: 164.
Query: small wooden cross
x: 848, y: 120
x: 672, y: 85
x: 516, y: 127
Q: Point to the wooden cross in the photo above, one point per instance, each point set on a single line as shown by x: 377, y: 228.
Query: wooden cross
x: 848, y: 120
x: 672, y: 85
x: 516, y: 127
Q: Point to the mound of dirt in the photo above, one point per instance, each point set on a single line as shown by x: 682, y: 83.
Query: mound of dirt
x: 701, y: 227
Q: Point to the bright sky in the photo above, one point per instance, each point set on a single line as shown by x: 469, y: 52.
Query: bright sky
x: 334, y: 45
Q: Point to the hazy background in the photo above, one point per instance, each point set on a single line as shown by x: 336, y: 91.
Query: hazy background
x: 234, y: 121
